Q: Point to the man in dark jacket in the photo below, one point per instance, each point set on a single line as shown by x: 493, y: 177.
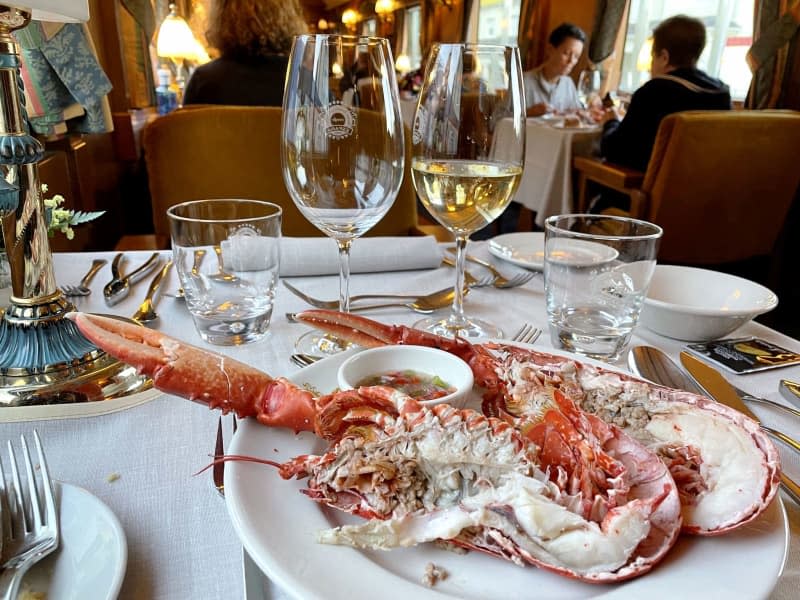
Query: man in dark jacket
x: 676, y: 85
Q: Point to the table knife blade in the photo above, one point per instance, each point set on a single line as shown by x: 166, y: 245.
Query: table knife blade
x: 790, y: 390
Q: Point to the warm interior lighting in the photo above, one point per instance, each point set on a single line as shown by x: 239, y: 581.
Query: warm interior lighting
x: 350, y: 18
x: 175, y: 40
x: 385, y: 9
x: 322, y: 24
x: 403, y: 63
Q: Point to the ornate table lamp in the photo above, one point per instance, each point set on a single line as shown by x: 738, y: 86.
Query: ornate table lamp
x: 43, y: 356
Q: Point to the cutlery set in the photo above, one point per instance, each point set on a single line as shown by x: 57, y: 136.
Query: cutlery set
x: 701, y: 378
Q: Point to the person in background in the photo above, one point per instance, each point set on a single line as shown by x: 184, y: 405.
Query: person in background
x: 548, y: 87
x: 254, y: 38
x: 676, y: 85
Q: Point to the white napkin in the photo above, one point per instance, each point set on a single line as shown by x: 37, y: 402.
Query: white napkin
x: 320, y: 256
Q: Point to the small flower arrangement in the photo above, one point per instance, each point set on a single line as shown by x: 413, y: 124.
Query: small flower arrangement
x: 64, y: 219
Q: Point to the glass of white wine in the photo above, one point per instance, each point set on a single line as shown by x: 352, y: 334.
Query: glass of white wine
x: 342, y: 150
x: 469, y: 149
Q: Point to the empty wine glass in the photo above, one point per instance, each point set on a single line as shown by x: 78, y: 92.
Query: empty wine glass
x: 588, y: 86
x: 342, y: 145
x: 469, y: 148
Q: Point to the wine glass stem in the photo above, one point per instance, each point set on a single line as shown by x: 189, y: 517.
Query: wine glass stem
x: 457, y: 317
x: 344, y: 274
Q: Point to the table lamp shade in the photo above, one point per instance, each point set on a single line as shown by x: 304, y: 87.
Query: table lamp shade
x: 55, y: 10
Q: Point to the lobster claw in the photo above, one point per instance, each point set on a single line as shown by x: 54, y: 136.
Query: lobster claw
x: 199, y: 375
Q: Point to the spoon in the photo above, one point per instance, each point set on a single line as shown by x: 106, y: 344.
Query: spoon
x: 655, y: 365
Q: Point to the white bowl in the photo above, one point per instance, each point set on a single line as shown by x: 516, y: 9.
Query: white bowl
x: 421, y: 359
x: 692, y: 304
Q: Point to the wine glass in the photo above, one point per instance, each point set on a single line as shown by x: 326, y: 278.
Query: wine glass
x: 469, y: 149
x: 588, y: 86
x: 342, y: 147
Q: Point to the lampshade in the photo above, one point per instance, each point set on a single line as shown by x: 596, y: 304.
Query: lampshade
x: 57, y: 10
x: 384, y: 7
x: 175, y: 39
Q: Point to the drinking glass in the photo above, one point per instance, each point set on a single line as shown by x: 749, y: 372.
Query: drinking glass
x: 596, y: 273
x: 227, y: 256
x: 342, y: 145
x: 588, y: 86
x: 468, y: 153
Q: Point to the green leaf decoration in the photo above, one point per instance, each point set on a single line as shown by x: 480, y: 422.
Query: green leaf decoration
x: 84, y: 217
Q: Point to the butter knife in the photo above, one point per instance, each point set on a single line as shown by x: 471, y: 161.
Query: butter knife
x: 718, y: 388
x: 119, y: 287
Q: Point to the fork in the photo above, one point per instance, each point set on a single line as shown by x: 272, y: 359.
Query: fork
x: 527, y: 334
x: 82, y: 289
x: 498, y: 281
x: 29, y: 532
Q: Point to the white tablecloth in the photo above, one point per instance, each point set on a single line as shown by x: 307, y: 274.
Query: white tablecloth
x: 181, y: 543
x: 546, y: 186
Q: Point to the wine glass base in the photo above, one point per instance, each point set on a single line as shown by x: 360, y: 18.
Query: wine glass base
x: 466, y: 328
x: 321, y: 344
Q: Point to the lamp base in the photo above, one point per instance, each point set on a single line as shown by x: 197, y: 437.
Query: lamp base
x: 44, y: 359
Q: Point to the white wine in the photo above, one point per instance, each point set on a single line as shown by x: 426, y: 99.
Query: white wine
x: 465, y: 195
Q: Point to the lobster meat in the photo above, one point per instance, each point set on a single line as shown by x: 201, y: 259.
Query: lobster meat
x: 570, y: 493
x: 726, y: 469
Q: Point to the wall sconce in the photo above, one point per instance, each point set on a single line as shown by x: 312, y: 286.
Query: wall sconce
x: 350, y: 19
x: 322, y: 25
x: 385, y: 10
x: 447, y: 3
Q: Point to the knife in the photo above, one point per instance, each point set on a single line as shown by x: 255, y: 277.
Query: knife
x: 723, y: 392
x: 118, y: 288
x: 791, y: 391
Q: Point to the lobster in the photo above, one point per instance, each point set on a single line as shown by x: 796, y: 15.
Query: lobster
x: 570, y: 494
x: 726, y: 469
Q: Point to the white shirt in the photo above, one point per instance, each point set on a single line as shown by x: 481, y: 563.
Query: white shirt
x: 561, y: 94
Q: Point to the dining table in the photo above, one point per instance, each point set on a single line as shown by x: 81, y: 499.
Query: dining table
x: 145, y: 459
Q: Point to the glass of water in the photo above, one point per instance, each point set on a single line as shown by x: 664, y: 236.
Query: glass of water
x: 597, y: 270
x: 227, y: 255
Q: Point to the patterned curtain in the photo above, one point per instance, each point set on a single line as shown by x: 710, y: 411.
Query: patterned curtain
x: 607, y: 21
x: 533, y: 31
x: 774, y: 57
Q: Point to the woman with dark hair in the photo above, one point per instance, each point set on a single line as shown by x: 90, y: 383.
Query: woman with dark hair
x: 548, y: 87
x: 254, y: 38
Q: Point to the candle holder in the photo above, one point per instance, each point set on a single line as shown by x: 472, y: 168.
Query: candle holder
x: 43, y: 357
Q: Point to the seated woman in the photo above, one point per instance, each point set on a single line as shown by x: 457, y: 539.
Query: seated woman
x: 548, y: 87
x: 254, y: 38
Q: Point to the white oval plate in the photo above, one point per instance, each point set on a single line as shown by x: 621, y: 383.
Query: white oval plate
x: 92, y: 557
x: 278, y: 525
x: 524, y: 248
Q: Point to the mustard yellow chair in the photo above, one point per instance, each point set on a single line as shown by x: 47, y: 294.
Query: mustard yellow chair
x: 720, y: 183
x: 207, y: 152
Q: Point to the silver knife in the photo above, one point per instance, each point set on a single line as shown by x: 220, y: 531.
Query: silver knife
x: 718, y: 388
x: 118, y: 288
x: 791, y: 391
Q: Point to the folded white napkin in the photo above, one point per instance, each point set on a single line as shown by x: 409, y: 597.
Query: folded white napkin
x: 320, y: 256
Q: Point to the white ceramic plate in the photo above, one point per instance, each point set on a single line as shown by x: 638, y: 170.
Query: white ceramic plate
x: 92, y: 557
x: 278, y: 525
x: 524, y: 249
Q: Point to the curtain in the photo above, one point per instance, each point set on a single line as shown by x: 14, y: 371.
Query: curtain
x: 533, y: 31
x: 607, y: 21
x: 774, y: 57
x: 399, y: 36
x: 441, y: 22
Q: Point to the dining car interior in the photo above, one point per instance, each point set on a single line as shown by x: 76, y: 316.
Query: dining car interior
x: 344, y: 299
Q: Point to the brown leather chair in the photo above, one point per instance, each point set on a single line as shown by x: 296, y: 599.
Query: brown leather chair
x: 235, y: 152
x: 720, y: 183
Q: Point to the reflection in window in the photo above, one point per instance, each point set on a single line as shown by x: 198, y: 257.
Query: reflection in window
x: 498, y: 21
x: 729, y: 34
